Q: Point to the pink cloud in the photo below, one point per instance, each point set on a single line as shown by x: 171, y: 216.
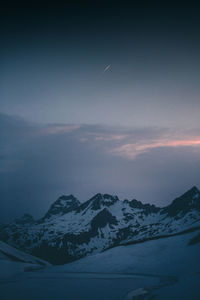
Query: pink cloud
x: 54, y: 129
x: 131, y: 150
x: 113, y: 137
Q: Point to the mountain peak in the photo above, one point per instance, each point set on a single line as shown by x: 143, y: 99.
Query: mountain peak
x: 62, y: 205
x: 136, y: 204
x: 189, y: 196
x: 186, y: 202
x: 25, y: 219
x: 100, y: 200
x: 104, y: 197
x: 193, y: 190
x: 67, y: 198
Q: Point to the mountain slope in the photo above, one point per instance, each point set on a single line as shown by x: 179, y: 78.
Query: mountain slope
x: 167, y: 268
x: 9, y: 253
x: 71, y: 230
x: 170, y: 258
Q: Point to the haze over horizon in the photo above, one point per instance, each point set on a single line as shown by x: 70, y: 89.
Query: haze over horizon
x: 98, y: 97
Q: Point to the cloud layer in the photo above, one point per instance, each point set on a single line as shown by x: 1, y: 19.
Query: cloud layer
x: 41, y: 162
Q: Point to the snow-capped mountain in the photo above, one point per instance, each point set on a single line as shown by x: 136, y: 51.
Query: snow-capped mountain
x: 71, y: 230
x: 63, y: 205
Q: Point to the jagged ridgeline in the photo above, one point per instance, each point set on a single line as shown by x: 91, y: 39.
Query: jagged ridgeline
x: 71, y: 230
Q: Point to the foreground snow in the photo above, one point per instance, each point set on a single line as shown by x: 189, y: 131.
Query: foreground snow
x: 10, y: 269
x: 171, y: 255
x: 14, y: 262
x: 167, y: 268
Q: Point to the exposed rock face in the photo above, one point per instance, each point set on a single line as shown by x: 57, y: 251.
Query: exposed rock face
x: 25, y: 219
x: 70, y: 229
x: 182, y: 205
x: 62, y: 205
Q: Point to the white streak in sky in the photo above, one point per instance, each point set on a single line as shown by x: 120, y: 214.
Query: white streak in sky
x: 107, y: 68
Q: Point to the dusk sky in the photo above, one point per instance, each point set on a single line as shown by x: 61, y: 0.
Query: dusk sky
x: 98, y: 97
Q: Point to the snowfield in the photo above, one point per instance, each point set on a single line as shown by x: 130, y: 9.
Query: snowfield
x: 166, y: 268
x: 14, y: 262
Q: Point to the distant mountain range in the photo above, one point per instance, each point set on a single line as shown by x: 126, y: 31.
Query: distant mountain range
x: 71, y: 230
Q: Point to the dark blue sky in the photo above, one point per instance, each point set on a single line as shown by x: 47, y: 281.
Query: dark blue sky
x: 53, y: 60
x: 135, y: 126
